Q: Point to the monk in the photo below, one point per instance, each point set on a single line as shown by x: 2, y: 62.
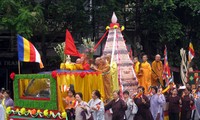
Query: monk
x: 81, y: 65
x: 145, y: 73
x: 157, y: 71
x: 136, y: 67
x: 113, y: 73
x: 102, y: 66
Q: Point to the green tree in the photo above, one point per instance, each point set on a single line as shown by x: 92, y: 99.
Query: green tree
x: 20, y: 17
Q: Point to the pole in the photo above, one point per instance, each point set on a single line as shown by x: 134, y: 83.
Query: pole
x: 19, y: 67
x: 113, y: 47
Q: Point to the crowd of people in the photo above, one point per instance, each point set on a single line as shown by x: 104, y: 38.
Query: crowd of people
x: 5, y: 101
x: 149, y: 102
x: 179, y: 102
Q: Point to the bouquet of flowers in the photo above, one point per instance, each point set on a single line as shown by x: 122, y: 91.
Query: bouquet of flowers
x: 89, y: 46
x: 59, y: 49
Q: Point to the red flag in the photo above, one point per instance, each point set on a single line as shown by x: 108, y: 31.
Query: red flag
x: 191, y: 52
x: 166, y: 71
x: 70, y: 48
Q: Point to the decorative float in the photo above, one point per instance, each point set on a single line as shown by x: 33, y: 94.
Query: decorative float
x: 41, y: 95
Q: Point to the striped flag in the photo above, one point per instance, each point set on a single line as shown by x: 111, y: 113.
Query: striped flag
x: 190, y: 52
x: 27, y: 51
x: 166, y: 71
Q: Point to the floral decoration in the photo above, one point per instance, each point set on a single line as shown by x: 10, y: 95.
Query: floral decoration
x: 12, y: 76
x: 54, y: 74
x: 115, y: 26
x: 36, y: 113
x: 59, y: 49
x: 82, y: 75
x: 107, y: 27
x: 89, y: 46
x: 122, y: 28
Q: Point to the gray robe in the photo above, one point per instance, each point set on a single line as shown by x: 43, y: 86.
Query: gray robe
x: 99, y: 114
x: 2, y: 112
x: 156, y: 105
x: 79, y: 110
x: 131, y: 108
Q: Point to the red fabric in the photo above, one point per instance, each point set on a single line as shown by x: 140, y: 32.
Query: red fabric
x: 32, y: 53
x: 86, y: 66
x: 113, y: 24
x: 70, y: 48
x: 83, y: 74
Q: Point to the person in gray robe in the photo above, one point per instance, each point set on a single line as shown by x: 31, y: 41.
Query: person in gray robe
x: 96, y: 106
x: 82, y: 110
x: 2, y: 112
x: 131, y: 106
x: 157, y: 100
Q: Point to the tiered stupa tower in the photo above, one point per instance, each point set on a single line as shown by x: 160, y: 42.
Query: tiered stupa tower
x: 115, y: 45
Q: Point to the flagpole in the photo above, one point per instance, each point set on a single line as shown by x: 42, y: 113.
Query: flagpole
x: 19, y: 66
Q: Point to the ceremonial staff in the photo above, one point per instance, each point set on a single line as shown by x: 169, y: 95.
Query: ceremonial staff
x: 157, y: 78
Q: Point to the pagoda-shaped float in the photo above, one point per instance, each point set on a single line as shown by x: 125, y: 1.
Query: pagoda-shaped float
x: 115, y: 45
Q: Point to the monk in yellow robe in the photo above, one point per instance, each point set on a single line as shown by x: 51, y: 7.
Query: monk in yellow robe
x: 136, y: 67
x: 113, y: 73
x: 145, y: 73
x: 102, y: 66
x: 157, y: 71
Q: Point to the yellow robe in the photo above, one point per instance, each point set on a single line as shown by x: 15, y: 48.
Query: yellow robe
x: 136, y: 68
x: 157, y: 67
x: 105, y: 69
x: 114, y: 75
x: 145, y: 78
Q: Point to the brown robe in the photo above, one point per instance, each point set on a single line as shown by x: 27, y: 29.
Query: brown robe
x: 186, y: 107
x: 143, y: 109
x: 157, y: 71
x: 105, y: 69
x: 118, y: 109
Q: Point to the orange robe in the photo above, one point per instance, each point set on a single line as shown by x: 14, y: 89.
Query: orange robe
x: 105, y: 69
x: 145, y: 77
x: 70, y: 102
x: 157, y: 71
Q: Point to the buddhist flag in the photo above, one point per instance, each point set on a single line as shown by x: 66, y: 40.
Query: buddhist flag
x: 190, y: 52
x: 166, y: 71
x: 27, y: 51
x: 70, y: 48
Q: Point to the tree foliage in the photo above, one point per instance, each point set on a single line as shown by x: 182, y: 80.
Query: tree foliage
x: 20, y: 17
x: 157, y: 22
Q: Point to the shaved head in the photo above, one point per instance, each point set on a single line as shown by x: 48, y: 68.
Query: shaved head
x: 157, y: 57
x: 144, y: 58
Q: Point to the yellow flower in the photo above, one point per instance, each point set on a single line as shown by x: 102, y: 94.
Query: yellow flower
x: 122, y: 28
x: 17, y: 110
x: 22, y: 111
x: 107, y: 27
x: 8, y: 109
x: 115, y: 26
x: 38, y: 111
x: 45, y: 112
x: 29, y: 111
x: 64, y: 114
x: 51, y: 112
